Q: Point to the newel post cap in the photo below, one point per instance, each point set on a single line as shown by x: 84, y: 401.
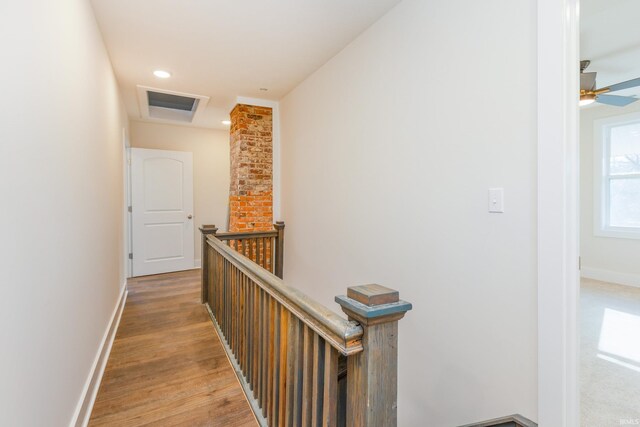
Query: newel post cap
x: 208, y: 229
x: 373, y: 304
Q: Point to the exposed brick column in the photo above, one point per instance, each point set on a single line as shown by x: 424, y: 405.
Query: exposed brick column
x: 251, y: 189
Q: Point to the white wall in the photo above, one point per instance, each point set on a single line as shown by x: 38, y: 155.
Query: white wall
x: 210, y: 150
x: 603, y: 258
x: 387, y: 155
x: 61, y: 220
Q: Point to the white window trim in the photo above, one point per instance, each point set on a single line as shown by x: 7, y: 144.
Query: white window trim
x: 600, y: 156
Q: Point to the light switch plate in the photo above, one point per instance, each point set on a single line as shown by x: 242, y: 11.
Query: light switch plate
x: 496, y: 200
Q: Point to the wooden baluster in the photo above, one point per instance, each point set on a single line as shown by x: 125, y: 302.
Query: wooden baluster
x: 261, y: 252
x: 220, y: 287
x: 330, y: 389
x: 256, y: 248
x: 282, y: 384
x: 216, y: 279
x: 239, y: 312
x: 225, y: 307
x: 298, y: 373
x: 237, y: 330
x: 229, y: 308
x: 292, y: 356
x: 241, y: 325
x: 254, y: 344
x: 206, y: 231
x: 250, y: 338
x: 229, y: 285
x: 264, y: 356
x: 267, y: 254
x: 234, y: 312
x: 223, y: 300
x: 262, y: 376
x: 212, y: 271
x: 263, y: 346
x: 307, y: 377
x: 372, y: 373
x: 317, y: 386
x: 264, y: 253
x: 279, y: 250
x: 274, y: 356
x: 247, y: 324
x: 258, y: 375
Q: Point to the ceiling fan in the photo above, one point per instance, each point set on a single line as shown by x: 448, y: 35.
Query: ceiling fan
x: 589, y: 93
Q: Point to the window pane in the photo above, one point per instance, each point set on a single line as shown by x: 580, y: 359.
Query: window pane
x: 625, y: 149
x: 624, y: 203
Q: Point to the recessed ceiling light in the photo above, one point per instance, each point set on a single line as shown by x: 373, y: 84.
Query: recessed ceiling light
x: 162, y: 74
x: 226, y: 122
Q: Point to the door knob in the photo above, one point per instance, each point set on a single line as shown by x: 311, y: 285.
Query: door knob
x: 189, y: 216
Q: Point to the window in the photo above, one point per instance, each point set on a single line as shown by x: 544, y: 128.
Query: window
x: 617, y: 177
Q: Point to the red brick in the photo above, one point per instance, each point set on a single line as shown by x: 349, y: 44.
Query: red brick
x: 251, y: 186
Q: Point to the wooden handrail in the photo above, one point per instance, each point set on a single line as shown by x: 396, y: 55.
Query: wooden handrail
x: 246, y: 234
x: 344, y: 335
x: 300, y: 363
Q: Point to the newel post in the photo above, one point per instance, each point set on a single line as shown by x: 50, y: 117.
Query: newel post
x: 372, y: 375
x: 279, y: 255
x: 204, y: 259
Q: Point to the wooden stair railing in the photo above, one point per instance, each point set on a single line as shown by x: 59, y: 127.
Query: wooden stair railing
x: 286, y: 348
x: 265, y: 248
x: 515, y: 420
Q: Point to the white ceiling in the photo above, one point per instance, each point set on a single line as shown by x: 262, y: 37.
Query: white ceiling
x: 610, y: 38
x: 227, y: 48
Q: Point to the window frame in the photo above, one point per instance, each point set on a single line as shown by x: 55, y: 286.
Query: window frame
x: 602, y: 177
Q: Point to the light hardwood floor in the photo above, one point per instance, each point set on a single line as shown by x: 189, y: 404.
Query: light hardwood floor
x: 167, y: 366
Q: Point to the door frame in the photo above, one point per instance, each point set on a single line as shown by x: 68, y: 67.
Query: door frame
x: 128, y: 231
x: 558, y: 221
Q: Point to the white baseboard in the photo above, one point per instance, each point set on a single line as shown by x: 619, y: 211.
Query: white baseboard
x: 90, y: 390
x: 610, y: 276
x: 197, y: 263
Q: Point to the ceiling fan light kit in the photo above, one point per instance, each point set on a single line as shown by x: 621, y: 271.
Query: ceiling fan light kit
x: 589, y: 94
x: 586, y: 99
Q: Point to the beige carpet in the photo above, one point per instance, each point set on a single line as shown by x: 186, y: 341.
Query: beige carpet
x: 610, y: 354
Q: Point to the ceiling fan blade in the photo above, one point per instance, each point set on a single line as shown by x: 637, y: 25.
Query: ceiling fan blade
x: 618, y: 101
x: 587, y: 81
x: 624, y: 85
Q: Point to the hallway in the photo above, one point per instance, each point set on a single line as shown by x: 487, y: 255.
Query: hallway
x: 167, y: 366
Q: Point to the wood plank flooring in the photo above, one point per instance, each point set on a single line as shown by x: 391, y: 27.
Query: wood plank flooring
x: 167, y: 366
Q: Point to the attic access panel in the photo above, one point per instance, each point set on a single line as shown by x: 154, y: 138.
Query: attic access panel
x: 167, y: 100
x: 168, y: 106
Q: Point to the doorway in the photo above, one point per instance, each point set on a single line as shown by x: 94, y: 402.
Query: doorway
x: 162, y: 211
x: 610, y: 214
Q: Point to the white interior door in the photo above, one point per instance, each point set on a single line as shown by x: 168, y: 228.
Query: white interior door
x: 162, y: 211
